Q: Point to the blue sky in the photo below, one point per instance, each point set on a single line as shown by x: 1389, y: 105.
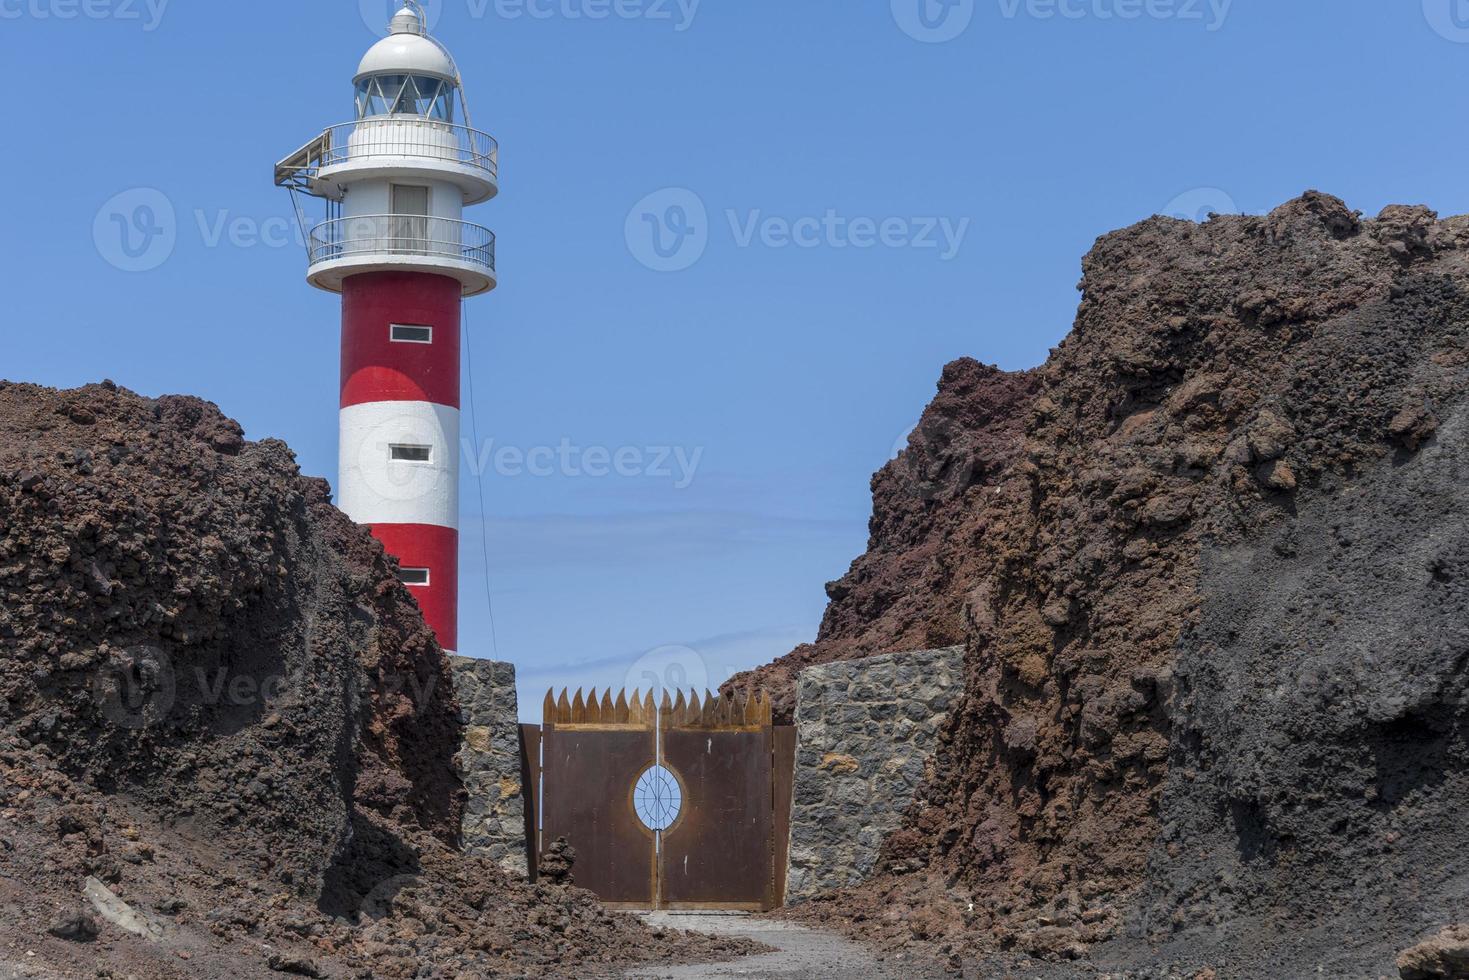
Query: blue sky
x: 850, y: 194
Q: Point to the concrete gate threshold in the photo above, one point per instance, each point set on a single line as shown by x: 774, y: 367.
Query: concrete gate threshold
x: 799, y: 952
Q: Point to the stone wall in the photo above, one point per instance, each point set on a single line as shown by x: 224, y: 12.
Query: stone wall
x: 489, y: 762
x: 865, y: 729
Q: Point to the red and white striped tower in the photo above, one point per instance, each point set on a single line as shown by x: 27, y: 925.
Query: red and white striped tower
x: 394, y: 244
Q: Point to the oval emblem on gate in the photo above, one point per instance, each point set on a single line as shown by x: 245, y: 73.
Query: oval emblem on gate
x: 657, y: 798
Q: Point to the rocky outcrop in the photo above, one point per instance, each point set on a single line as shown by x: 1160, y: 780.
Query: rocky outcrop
x: 1214, y: 617
x: 224, y: 722
x: 187, y: 620
x: 908, y: 591
x: 866, y: 731
x: 1317, y: 763
x: 1441, y: 957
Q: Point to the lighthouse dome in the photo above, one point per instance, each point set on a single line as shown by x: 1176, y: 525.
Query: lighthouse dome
x: 407, y: 50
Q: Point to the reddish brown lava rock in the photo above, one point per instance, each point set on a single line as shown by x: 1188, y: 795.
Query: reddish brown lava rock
x: 1223, y: 464
x: 907, y: 592
x: 217, y: 700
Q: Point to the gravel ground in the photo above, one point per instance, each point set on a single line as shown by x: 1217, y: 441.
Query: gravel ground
x: 801, y: 952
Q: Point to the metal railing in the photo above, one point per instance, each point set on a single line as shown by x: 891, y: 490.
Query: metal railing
x: 402, y: 234
x: 410, y: 136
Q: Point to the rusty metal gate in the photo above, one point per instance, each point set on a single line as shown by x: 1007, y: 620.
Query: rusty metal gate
x: 678, y: 805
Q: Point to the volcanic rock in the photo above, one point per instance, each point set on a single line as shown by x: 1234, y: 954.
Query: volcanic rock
x: 78, y: 927
x: 1216, y: 555
x: 557, y: 863
x: 1442, y: 957
x: 906, y: 592
x: 217, y: 701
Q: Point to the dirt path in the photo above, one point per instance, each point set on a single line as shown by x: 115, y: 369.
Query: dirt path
x: 800, y: 952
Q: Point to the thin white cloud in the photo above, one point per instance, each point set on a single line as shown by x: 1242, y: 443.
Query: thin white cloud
x: 620, y: 540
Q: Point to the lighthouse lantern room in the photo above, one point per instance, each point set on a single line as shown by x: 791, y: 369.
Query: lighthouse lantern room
x: 394, y: 243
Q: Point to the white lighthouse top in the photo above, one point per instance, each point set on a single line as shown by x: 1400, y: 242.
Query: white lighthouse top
x: 407, y: 50
x: 400, y: 174
x: 406, y: 21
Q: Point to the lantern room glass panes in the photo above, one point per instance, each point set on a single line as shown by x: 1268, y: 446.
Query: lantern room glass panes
x: 406, y: 95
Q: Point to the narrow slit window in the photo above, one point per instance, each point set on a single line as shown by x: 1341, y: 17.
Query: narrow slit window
x: 412, y: 454
x: 403, y: 333
x: 413, y: 576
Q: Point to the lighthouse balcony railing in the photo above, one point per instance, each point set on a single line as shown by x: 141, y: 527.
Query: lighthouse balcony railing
x: 363, y: 236
x: 382, y: 139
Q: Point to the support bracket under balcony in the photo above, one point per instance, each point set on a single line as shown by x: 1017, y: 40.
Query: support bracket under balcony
x: 297, y: 170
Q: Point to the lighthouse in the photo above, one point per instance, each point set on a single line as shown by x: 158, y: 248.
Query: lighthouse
x: 394, y: 183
